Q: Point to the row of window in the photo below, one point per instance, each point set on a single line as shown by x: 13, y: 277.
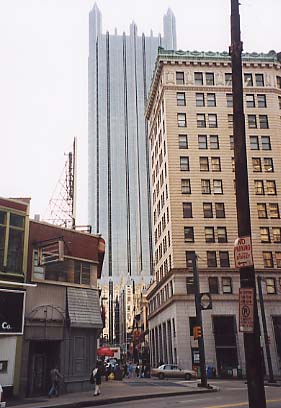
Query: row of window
x: 210, y: 236
x: 224, y: 285
x: 272, y: 234
x: 208, y: 186
x: 210, y: 120
x: 269, y: 210
x: 212, y: 258
x: 214, y: 286
x: 208, y: 79
x: 207, y: 210
x: 212, y: 141
x: 209, y: 100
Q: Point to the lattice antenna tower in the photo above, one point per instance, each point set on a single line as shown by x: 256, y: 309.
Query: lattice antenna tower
x: 62, y: 205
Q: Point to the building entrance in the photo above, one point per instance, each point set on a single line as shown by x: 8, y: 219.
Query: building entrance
x: 43, y: 356
x: 225, y: 342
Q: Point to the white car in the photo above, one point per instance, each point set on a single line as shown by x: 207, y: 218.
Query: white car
x: 172, y: 371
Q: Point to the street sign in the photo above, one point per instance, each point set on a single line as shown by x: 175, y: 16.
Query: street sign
x: 243, y: 255
x: 246, y: 310
x: 205, y: 301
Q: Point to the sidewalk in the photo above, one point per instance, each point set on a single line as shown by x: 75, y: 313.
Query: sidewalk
x: 116, y: 391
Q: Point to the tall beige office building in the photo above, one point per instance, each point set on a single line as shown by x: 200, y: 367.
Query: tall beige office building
x: 194, y: 209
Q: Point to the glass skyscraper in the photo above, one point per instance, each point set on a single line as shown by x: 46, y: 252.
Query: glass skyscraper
x: 120, y: 71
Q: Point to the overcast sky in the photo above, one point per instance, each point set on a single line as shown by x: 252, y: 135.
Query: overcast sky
x: 43, y: 75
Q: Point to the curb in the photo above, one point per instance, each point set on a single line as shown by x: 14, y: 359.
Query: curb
x: 116, y: 400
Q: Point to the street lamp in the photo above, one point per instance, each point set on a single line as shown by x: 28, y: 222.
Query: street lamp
x: 265, y: 333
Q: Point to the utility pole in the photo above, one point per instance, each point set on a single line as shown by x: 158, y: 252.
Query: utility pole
x: 199, y: 322
x: 266, y: 338
x: 255, y: 380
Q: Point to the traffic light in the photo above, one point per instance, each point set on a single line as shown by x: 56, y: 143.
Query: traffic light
x: 197, y: 332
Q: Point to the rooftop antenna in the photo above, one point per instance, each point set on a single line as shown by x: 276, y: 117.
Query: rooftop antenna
x: 61, y: 210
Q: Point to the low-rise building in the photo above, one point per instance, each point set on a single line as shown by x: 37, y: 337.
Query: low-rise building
x: 62, y: 314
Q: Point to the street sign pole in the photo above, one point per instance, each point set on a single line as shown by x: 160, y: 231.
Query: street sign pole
x: 255, y: 380
x: 198, y: 309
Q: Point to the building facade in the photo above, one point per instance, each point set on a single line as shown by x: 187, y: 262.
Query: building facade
x: 14, y: 228
x: 190, y: 117
x: 62, y: 313
x: 120, y: 72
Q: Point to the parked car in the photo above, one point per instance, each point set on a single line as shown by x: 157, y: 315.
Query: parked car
x: 172, y: 371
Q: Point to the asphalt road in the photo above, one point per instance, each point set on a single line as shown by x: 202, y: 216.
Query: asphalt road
x: 232, y: 394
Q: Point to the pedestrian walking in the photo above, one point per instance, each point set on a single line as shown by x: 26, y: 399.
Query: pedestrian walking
x: 131, y: 369
x: 125, y: 372
x: 96, y: 378
x: 55, y: 378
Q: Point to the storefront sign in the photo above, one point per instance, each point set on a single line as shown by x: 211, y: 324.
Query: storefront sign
x: 11, y: 311
x: 246, y: 310
x: 243, y: 252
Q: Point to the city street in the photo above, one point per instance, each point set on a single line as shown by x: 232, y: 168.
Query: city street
x: 231, y: 394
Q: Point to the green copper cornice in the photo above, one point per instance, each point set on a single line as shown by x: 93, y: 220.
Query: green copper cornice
x: 271, y: 56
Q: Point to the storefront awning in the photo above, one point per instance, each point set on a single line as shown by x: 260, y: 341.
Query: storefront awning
x: 84, y: 308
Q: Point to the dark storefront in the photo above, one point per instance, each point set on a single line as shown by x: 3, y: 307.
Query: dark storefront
x: 225, y: 342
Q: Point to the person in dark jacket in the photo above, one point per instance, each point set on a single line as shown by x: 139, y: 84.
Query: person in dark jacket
x: 97, y: 377
x: 55, y: 378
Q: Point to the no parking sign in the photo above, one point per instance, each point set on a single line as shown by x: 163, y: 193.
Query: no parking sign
x: 246, y: 310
